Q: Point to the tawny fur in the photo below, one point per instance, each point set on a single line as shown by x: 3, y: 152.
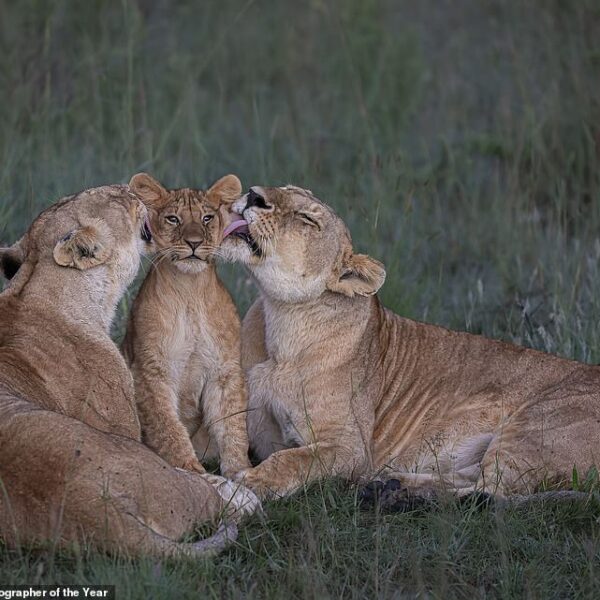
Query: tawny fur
x: 339, y: 385
x: 72, y: 468
x: 183, y: 337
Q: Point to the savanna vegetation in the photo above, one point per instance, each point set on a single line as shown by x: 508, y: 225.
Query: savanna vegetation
x: 461, y: 143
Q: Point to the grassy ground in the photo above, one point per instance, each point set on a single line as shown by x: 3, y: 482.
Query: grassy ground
x: 461, y: 142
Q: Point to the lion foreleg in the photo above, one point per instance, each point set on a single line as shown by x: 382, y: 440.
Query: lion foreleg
x: 162, y: 429
x: 224, y: 408
x: 286, y: 471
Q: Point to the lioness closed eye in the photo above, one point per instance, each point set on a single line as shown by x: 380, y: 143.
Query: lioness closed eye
x: 341, y: 386
x: 183, y: 337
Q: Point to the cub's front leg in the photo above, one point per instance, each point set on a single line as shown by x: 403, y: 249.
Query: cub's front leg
x: 162, y: 430
x: 224, y: 409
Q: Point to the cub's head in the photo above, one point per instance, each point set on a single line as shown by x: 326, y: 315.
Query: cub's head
x: 187, y: 224
x: 102, y: 231
x: 297, y: 247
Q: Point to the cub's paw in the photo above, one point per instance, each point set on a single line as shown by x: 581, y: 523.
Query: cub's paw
x: 239, y: 500
x: 188, y: 464
x: 193, y: 464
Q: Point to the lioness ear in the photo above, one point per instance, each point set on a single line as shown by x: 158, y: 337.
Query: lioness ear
x: 11, y: 259
x: 226, y: 190
x: 148, y: 189
x: 360, y: 275
x: 84, y: 248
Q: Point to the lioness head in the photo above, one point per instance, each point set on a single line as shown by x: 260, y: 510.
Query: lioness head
x: 103, y: 228
x: 187, y: 224
x: 297, y: 247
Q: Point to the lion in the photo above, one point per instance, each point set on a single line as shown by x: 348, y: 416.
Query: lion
x: 183, y: 337
x: 72, y: 466
x: 341, y: 386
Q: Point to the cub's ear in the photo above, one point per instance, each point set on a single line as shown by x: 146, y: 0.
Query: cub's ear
x: 85, y: 247
x: 148, y: 189
x: 360, y: 275
x: 11, y: 259
x: 226, y: 190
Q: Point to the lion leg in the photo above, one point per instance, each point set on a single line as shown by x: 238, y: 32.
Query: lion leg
x: 264, y: 432
x: 162, y: 429
x: 204, y: 445
x: 224, y: 406
x: 288, y: 470
x: 553, y: 433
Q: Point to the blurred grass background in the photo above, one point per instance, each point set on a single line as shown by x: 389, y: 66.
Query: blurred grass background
x: 459, y: 139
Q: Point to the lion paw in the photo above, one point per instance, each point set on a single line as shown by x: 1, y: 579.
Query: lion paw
x: 239, y: 500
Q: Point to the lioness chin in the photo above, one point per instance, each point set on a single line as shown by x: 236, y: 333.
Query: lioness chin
x: 339, y: 385
x: 72, y: 468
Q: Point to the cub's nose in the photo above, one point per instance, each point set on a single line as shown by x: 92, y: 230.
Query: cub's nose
x: 253, y: 198
x: 193, y: 244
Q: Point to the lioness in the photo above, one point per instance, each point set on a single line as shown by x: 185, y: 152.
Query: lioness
x: 341, y: 386
x: 65, y: 392
x: 183, y: 337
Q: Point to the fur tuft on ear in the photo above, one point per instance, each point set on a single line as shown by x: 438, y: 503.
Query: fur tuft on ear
x: 360, y: 275
x: 84, y: 248
x: 226, y: 190
x: 11, y: 259
x: 148, y: 189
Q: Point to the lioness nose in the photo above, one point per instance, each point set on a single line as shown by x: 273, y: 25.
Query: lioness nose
x: 193, y: 244
x: 253, y: 198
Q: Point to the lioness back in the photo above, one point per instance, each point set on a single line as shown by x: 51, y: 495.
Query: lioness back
x: 183, y: 337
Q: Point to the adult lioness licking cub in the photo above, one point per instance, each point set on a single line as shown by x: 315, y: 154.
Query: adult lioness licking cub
x: 72, y: 468
x: 341, y: 386
x: 183, y: 337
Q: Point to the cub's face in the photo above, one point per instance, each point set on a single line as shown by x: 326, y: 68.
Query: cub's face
x: 297, y: 247
x: 187, y: 224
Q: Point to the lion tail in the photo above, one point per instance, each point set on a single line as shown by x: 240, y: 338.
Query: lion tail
x: 162, y: 547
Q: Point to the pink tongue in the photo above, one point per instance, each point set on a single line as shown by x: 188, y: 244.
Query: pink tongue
x: 235, y: 225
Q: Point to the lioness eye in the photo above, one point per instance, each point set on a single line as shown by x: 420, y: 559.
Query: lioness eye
x: 173, y: 219
x: 207, y: 218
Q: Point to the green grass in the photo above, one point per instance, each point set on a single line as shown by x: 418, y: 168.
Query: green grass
x: 319, y: 545
x: 461, y: 143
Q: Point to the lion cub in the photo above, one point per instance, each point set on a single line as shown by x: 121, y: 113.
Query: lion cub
x: 183, y: 336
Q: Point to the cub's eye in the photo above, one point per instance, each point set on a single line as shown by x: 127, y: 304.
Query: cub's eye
x: 207, y: 218
x: 172, y: 219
